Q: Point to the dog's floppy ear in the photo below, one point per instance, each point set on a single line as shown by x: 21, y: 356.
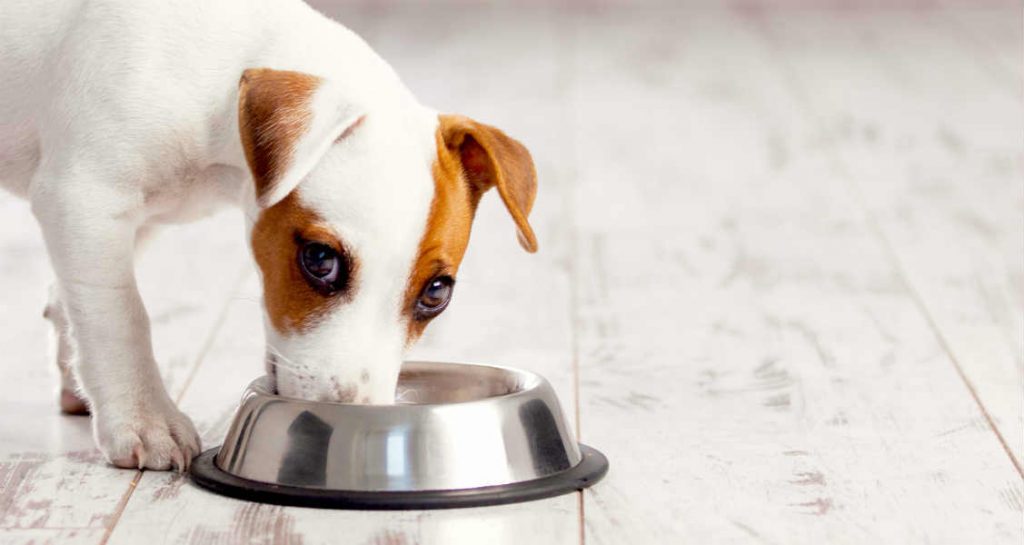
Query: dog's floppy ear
x: 490, y: 158
x: 287, y: 121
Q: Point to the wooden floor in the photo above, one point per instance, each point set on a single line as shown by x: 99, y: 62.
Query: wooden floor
x: 781, y: 286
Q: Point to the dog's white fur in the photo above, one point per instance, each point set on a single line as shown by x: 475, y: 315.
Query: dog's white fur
x: 117, y: 115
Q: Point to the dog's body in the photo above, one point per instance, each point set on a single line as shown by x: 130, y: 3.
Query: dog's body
x: 120, y: 115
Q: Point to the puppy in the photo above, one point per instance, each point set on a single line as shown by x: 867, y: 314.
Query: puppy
x: 119, y: 115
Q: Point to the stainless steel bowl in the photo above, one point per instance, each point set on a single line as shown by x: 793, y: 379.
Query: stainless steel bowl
x: 458, y: 435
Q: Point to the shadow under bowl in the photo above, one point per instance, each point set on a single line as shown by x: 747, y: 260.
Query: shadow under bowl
x: 460, y: 435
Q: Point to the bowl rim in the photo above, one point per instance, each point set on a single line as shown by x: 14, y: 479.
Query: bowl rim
x: 257, y: 387
x: 593, y: 467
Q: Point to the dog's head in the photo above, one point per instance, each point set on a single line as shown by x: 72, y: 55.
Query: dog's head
x: 364, y: 216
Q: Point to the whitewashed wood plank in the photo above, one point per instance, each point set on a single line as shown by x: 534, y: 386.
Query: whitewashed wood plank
x: 50, y: 536
x: 751, y: 361
x: 496, y: 316
x: 186, y: 279
x: 40, y: 450
x: 54, y: 485
x: 937, y: 151
x: 994, y: 36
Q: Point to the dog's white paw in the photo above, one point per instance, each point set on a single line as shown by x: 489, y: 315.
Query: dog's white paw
x: 155, y: 437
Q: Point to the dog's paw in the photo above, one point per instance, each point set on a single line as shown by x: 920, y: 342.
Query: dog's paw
x: 148, y: 438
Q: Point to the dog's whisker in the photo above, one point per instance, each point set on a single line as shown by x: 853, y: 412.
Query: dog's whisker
x: 280, y: 361
x: 405, y: 395
x: 288, y: 367
x: 276, y: 351
x: 280, y: 365
x: 289, y: 370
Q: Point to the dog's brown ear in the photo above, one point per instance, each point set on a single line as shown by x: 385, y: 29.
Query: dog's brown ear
x: 490, y: 158
x: 287, y: 121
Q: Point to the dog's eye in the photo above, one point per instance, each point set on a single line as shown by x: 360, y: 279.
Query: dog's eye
x: 435, y: 296
x: 322, y: 267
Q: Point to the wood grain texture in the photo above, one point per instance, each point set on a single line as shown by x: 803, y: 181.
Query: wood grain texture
x: 47, y: 461
x: 993, y: 35
x: 779, y: 285
x: 55, y: 486
x: 935, y: 154
x: 750, y: 355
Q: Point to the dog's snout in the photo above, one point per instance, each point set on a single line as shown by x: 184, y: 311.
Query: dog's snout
x: 315, y: 383
x: 343, y: 392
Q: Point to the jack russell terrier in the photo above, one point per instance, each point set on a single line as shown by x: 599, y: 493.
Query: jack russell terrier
x: 117, y: 116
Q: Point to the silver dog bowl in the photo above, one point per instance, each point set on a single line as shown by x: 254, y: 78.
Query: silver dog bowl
x: 459, y: 435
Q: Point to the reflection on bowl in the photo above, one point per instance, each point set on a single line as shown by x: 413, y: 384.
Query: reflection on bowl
x: 459, y: 434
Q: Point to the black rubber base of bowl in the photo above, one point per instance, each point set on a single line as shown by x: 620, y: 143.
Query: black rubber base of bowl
x: 591, y: 469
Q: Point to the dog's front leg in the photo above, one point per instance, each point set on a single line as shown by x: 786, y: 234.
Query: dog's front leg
x: 90, y: 233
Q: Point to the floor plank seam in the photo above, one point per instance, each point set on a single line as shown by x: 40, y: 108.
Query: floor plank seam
x: 121, y: 506
x: 200, y: 356
x: 893, y: 258
x: 214, y: 331
x: 583, y: 517
x: 795, y: 170
x: 944, y: 343
x: 573, y: 243
x: 574, y: 299
x: 796, y: 84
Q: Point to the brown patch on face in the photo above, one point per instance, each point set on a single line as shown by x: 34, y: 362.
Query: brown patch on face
x: 471, y: 158
x: 447, y: 234
x: 273, y: 112
x: 292, y: 304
